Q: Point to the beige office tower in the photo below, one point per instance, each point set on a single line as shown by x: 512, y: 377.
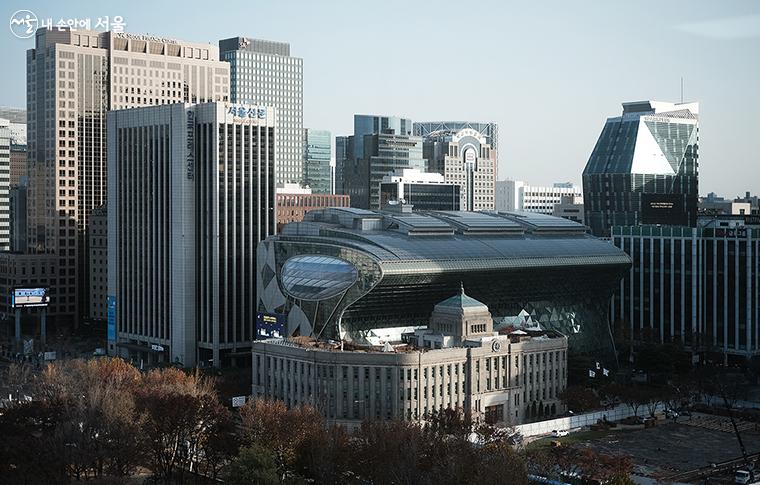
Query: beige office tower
x: 73, y: 79
x: 464, y: 157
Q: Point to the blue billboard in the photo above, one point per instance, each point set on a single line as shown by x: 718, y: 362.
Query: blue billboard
x: 111, y: 308
x: 270, y: 325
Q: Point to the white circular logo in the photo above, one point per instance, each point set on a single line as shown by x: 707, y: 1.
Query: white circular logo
x: 495, y: 346
x: 23, y: 24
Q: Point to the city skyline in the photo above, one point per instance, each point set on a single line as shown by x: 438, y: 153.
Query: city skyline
x: 520, y: 48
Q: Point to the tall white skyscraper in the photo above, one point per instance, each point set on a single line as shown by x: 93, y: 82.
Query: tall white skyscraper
x: 263, y: 72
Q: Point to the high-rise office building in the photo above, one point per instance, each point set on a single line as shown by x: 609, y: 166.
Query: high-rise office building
x: 516, y: 195
x: 421, y: 190
x: 317, y: 173
x: 488, y: 130
x: 18, y: 226
x: 343, y: 153
x: 373, y: 124
x: 383, y: 153
x: 5, y: 185
x: 464, y: 157
x: 350, y: 149
x: 17, y: 128
x: 73, y: 79
x: 98, y: 247
x: 191, y: 193
x: 693, y: 286
x: 643, y: 169
x: 263, y: 72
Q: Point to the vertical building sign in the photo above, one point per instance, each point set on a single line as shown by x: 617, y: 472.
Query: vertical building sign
x: 111, y: 302
x: 190, y: 165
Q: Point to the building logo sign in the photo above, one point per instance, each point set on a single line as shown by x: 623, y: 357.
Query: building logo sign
x: 190, y: 162
x: 250, y: 112
x: 469, y: 156
x: 495, y: 346
x: 146, y: 38
x: 23, y: 24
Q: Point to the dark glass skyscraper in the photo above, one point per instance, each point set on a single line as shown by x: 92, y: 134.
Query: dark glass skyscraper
x: 643, y: 169
x: 349, y: 149
x: 316, y: 161
x: 342, y: 154
x: 383, y: 153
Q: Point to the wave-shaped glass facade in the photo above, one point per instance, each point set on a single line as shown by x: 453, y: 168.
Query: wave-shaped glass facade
x: 562, y: 277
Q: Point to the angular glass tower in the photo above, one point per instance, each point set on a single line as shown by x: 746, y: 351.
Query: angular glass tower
x: 643, y: 169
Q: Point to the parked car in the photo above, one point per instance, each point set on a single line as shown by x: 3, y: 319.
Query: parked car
x: 745, y: 478
x: 558, y: 433
x: 671, y: 413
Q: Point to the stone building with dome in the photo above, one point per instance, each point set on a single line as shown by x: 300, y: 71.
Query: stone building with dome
x: 458, y: 361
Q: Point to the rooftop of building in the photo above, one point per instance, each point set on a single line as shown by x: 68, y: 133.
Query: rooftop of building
x: 68, y: 36
x: 461, y: 300
x: 250, y: 44
x: 509, y: 335
x: 457, y: 237
x: 14, y: 115
x: 658, y: 107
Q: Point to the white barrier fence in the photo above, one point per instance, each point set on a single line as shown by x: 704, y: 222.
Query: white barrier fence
x: 621, y: 411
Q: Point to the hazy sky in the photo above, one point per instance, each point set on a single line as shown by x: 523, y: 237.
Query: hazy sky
x: 549, y: 73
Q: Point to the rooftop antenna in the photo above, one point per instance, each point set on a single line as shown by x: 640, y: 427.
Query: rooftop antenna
x: 681, y: 89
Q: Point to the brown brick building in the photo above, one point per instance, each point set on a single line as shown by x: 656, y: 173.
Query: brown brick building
x: 292, y: 207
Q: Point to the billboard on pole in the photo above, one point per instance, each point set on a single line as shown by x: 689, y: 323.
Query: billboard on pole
x: 270, y: 325
x: 29, y: 297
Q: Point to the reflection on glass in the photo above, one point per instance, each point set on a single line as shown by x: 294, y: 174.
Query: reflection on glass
x: 317, y: 277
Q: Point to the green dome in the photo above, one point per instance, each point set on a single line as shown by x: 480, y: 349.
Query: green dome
x: 461, y: 300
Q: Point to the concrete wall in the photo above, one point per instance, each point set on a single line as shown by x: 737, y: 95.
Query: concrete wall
x: 621, y: 411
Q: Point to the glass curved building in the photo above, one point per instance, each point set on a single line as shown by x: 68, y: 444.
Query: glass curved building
x: 343, y: 272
